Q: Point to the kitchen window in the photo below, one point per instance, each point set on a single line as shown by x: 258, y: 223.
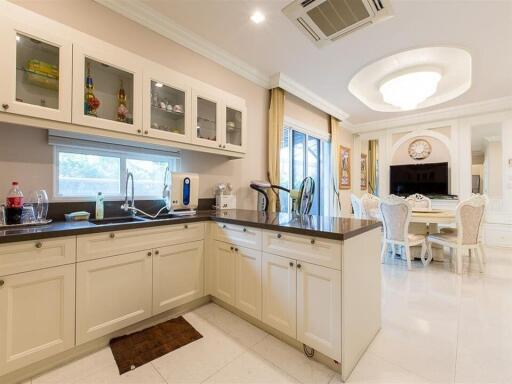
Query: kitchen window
x: 303, y: 155
x: 80, y: 173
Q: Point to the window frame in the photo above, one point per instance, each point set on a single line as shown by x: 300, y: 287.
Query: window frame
x: 324, y: 157
x: 122, y: 155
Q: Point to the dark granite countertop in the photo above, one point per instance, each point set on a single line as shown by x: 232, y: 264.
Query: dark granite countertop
x: 337, y: 228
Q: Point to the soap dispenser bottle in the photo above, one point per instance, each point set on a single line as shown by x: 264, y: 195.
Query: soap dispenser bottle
x: 100, y: 206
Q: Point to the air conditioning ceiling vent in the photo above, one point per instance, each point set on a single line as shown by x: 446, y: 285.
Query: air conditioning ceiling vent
x: 324, y: 21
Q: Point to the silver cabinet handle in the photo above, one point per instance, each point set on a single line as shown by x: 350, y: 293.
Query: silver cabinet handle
x: 149, y: 254
x: 279, y: 235
x: 299, y: 266
x: 312, y: 241
x: 232, y: 248
x: 157, y: 252
x: 224, y: 226
x: 2, y: 283
x: 185, y: 226
x: 236, y: 249
x: 139, y: 130
x: 39, y: 244
x: 112, y: 235
x: 291, y: 263
x: 5, y: 106
x: 245, y: 229
x: 220, y: 145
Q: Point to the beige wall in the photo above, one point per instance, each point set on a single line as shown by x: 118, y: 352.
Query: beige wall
x: 440, y: 152
x: 93, y: 19
x: 308, y: 115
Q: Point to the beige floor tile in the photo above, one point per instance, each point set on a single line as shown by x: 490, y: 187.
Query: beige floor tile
x: 373, y: 369
x: 293, y: 362
x: 145, y: 374
x: 78, y: 369
x: 250, y: 368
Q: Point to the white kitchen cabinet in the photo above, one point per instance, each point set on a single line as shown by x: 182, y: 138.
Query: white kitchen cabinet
x: 112, y: 71
x: 234, y: 125
x: 206, y: 118
x: 177, y: 275
x: 36, y: 69
x: 224, y: 271
x: 248, y: 281
x: 37, y: 315
x: 112, y: 293
x: 279, y: 293
x: 166, y: 104
x: 319, y: 308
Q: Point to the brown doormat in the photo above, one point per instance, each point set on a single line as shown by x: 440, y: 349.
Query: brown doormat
x: 139, y: 348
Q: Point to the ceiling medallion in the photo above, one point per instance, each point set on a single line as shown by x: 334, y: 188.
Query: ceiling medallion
x: 420, y: 149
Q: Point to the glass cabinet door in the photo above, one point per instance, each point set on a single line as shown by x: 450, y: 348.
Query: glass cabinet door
x: 206, y: 121
x: 233, y: 124
x: 36, y: 74
x: 106, y: 90
x: 166, y: 106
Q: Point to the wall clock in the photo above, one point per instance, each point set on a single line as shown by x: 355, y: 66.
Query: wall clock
x: 420, y: 149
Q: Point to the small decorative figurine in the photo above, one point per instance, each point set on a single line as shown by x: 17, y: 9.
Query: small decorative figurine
x: 122, y: 109
x: 91, y: 102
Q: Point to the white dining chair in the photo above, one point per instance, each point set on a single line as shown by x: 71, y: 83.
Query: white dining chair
x: 469, y: 218
x: 370, y: 206
x: 420, y: 201
x: 356, y: 206
x: 396, y: 216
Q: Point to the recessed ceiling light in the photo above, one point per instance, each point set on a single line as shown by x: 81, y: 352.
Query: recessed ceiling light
x: 159, y: 85
x: 407, y: 91
x: 257, y: 17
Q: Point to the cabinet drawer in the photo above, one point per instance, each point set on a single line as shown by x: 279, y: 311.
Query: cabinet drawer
x: 96, y: 246
x: 314, y: 250
x: 237, y: 234
x: 31, y: 255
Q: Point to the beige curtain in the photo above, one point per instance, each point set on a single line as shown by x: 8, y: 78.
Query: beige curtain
x: 336, y: 201
x: 372, y: 166
x: 275, y: 134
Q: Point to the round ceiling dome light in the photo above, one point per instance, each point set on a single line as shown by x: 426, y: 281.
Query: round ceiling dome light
x: 406, y: 91
x: 414, y: 79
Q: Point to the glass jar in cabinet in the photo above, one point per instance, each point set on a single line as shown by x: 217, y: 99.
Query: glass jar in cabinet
x: 206, y: 119
x: 36, y: 70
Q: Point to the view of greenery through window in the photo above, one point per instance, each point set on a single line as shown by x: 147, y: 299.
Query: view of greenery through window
x: 83, y: 174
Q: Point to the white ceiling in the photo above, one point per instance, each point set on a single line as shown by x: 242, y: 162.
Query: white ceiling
x: 484, y: 28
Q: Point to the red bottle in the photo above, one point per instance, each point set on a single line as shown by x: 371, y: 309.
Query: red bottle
x: 14, y: 196
x: 14, y: 204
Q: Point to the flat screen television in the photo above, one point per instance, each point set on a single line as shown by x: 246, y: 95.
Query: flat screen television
x: 427, y: 179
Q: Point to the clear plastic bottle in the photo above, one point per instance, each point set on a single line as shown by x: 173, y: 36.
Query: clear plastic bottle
x: 100, y: 206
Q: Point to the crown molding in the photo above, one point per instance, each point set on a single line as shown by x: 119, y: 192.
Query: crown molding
x: 289, y: 85
x: 460, y: 111
x: 140, y: 13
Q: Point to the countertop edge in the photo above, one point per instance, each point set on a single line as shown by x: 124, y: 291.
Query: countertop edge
x: 204, y: 217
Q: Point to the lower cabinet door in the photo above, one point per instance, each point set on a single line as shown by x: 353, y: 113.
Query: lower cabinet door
x: 319, y: 308
x: 177, y: 275
x: 248, y: 281
x: 112, y: 293
x: 37, y: 316
x: 224, y: 272
x: 279, y: 293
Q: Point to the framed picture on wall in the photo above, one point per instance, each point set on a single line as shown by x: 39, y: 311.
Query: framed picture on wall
x: 344, y: 167
x: 364, y: 172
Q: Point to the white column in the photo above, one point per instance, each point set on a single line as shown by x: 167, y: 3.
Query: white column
x: 464, y: 161
x: 506, y: 133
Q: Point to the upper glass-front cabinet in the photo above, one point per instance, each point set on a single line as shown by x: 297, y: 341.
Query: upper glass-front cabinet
x: 106, y: 90
x: 206, y: 119
x: 234, y: 123
x: 166, y: 106
x: 36, y: 73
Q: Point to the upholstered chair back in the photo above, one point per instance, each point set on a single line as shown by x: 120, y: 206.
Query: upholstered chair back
x: 396, y: 215
x: 419, y: 201
x: 470, y: 217
x: 370, y: 206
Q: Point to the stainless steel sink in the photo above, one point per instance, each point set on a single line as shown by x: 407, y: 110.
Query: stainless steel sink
x: 118, y: 220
